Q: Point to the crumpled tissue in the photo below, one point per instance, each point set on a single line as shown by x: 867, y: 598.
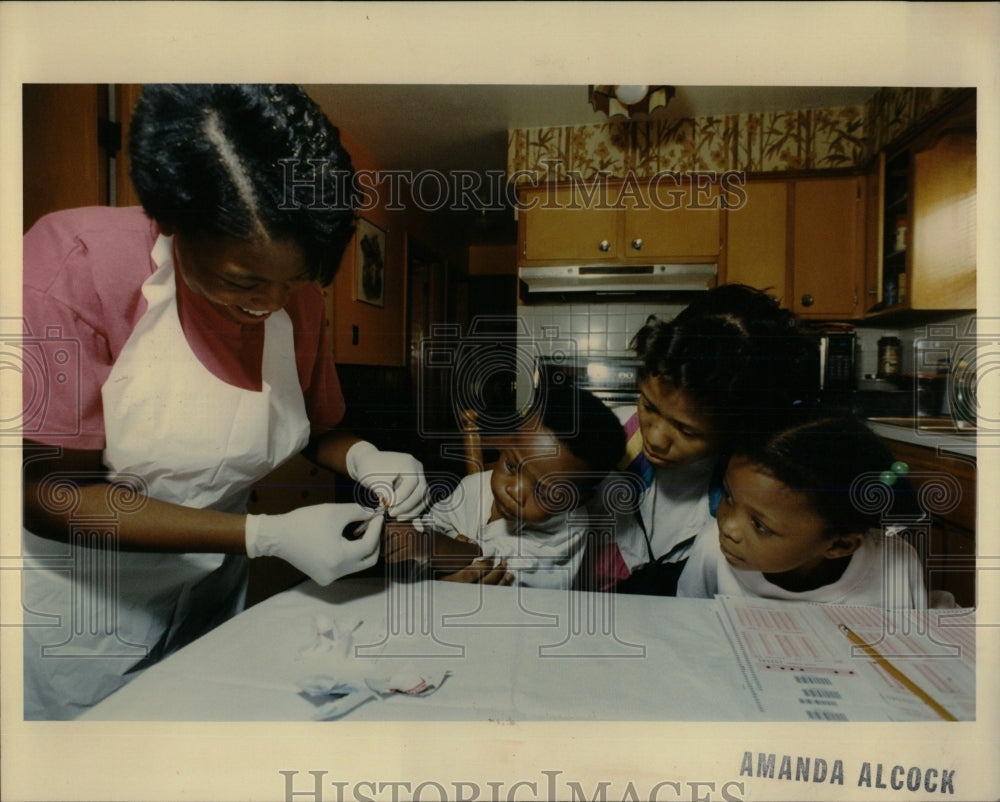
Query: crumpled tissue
x: 336, y: 682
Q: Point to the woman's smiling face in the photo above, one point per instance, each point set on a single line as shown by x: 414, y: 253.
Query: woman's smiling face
x: 245, y: 280
x: 674, y: 432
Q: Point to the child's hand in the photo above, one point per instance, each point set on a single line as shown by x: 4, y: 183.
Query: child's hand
x: 484, y: 571
x: 402, y: 541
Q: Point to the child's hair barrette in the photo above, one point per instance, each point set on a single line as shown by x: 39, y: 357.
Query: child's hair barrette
x: 896, y: 470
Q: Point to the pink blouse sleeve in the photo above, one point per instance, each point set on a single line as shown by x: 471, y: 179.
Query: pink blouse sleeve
x: 317, y: 372
x: 66, y: 359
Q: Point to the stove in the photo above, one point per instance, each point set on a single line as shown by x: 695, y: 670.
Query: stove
x: 613, y: 379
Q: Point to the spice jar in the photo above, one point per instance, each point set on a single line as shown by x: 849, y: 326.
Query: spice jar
x: 888, y: 357
x: 900, y: 243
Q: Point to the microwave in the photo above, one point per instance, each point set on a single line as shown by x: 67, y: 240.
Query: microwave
x: 834, y: 360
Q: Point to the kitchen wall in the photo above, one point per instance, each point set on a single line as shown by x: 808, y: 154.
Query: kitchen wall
x: 810, y: 139
x: 360, y: 333
x: 605, y: 329
x: 815, y: 139
x: 596, y: 329
x: 946, y: 330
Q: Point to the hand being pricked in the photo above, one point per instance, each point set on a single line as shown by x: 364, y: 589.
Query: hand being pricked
x: 402, y: 541
x: 484, y: 571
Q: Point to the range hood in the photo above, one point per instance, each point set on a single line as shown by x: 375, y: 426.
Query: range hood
x: 618, y: 278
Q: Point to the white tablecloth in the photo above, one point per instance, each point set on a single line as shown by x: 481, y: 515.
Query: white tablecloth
x: 511, y: 654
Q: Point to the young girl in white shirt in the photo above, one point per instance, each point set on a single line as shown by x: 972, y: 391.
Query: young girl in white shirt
x: 808, y: 510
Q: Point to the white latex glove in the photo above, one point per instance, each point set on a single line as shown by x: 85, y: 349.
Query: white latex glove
x: 396, y: 478
x: 311, y: 539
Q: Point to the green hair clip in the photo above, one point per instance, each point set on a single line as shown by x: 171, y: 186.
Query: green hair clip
x: 896, y: 470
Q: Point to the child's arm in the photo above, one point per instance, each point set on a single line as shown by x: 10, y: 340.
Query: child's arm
x: 402, y: 541
x: 486, y: 571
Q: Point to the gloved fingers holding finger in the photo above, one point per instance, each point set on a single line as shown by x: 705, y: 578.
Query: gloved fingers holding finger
x: 361, y: 519
x: 396, y: 478
x: 409, y: 496
x: 323, y: 541
x: 371, y: 540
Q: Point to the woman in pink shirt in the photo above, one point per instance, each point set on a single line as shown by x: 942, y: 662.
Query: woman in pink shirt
x: 177, y: 356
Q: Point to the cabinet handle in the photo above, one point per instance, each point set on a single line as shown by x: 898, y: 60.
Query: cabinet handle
x: 637, y: 244
x: 808, y: 300
x: 604, y: 246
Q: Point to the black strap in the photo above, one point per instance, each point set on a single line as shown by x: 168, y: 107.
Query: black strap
x: 649, y: 546
x: 659, y: 576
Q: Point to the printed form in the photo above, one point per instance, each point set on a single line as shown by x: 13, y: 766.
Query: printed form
x: 829, y: 662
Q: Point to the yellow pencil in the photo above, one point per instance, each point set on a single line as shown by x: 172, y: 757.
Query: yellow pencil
x: 915, y: 689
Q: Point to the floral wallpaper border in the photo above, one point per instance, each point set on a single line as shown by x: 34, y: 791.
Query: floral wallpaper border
x: 813, y: 139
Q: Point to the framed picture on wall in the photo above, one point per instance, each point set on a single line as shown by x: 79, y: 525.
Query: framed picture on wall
x: 369, y: 263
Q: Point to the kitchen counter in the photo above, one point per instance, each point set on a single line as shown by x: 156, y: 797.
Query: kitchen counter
x: 938, y: 433
x: 944, y: 474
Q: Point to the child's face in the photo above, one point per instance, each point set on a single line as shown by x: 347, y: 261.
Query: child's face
x: 529, y: 479
x: 673, y: 431
x: 766, y: 526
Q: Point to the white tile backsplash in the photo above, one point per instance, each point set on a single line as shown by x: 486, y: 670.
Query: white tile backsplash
x: 866, y: 349
x: 606, y: 330
x: 952, y: 328
x: 597, y: 329
x: 947, y: 333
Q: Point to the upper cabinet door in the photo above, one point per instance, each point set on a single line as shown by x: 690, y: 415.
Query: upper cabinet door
x: 922, y: 249
x: 669, y: 222
x: 943, y: 258
x: 557, y: 225
x: 828, y: 247
x: 757, y: 239
x: 619, y: 223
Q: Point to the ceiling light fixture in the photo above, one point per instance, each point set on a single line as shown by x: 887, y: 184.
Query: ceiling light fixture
x: 635, y: 102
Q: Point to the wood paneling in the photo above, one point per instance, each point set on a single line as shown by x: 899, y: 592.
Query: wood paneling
x: 64, y: 167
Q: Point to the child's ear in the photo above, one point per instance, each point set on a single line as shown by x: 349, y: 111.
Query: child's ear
x: 844, y: 545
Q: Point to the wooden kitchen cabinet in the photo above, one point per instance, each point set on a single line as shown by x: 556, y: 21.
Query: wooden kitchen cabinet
x: 668, y: 222
x: 828, y: 247
x: 924, y: 254
x: 757, y: 239
x: 945, y: 485
x: 618, y: 224
x: 874, y: 238
x: 943, y: 242
x: 554, y: 225
x: 803, y: 240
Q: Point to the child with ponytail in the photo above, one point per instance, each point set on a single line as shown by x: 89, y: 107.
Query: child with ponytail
x: 806, y: 512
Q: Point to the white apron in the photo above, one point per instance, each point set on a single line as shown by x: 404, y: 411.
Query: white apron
x: 102, y: 616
